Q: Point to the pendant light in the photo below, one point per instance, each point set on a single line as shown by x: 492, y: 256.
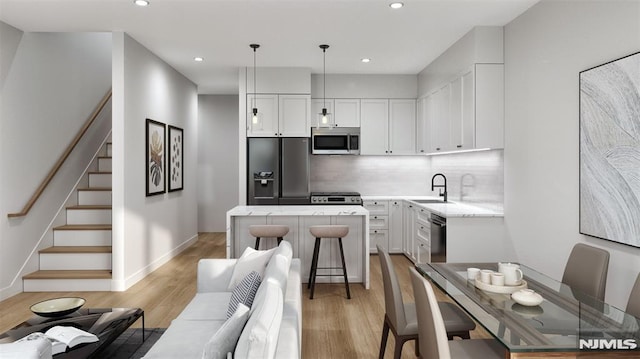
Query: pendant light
x: 256, y: 117
x: 324, y: 117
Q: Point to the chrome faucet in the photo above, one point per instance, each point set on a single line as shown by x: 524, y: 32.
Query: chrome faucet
x: 444, y: 186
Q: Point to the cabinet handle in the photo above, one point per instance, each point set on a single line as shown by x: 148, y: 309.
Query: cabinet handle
x: 375, y: 231
x: 459, y: 146
x: 375, y: 217
x: 386, y: 151
x: 421, y: 150
x: 280, y: 134
x: 375, y: 202
x: 437, y: 148
x: 276, y: 133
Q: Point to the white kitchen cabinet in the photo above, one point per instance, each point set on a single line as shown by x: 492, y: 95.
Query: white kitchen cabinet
x: 388, y: 126
x: 281, y: 115
x: 440, y: 124
x: 329, y: 249
x: 423, y: 124
x: 408, y: 218
x: 378, y: 223
x: 374, y: 130
x: 347, y: 112
x: 317, y: 104
x: 294, y: 112
x: 402, y: 126
x: 267, y: 105
x: 395, y: 227
x: 468, y: 112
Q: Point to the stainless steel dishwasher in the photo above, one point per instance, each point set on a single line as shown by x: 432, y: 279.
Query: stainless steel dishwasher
x: 438, y: 238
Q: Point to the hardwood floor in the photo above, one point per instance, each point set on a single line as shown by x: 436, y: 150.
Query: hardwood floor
x: 333, y: 327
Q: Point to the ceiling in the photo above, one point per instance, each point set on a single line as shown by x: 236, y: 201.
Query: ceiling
x: 400, y: 41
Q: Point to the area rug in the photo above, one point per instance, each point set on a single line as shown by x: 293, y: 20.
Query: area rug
x: 129, y: 344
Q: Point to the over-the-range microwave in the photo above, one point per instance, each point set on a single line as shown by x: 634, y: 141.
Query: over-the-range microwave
x: 335, y: 141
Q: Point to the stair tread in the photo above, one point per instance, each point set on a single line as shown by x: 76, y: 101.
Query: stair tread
x: 69, y: 274
x: 104, y: 157
x: 96, y: 189
x: 84, y: 227
x: 90, y: 206
x: 77, y: 249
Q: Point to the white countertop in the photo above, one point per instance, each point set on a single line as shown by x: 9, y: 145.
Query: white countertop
x: 241, y: 211
x: 447, y: 210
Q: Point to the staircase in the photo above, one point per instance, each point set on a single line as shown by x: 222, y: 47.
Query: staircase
x: 80, y: 259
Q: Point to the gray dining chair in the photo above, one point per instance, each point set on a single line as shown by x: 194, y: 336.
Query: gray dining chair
x: 633, y: 305
x: 586, y: 270
x: 432, y: 335
x: 401, y: 317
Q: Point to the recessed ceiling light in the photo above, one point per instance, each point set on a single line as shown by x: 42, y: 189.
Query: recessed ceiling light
x: 141, y: 2
x: 366, y: 60
x: 198, y: 59
x: 396, y: 5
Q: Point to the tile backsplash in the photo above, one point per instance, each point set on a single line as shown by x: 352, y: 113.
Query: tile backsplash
x: 371, y: 175
x: 472, y: 177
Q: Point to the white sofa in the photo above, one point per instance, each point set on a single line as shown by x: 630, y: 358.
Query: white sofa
x: 204, y: 315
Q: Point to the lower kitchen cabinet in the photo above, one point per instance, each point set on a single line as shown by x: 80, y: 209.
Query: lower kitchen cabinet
x: 408, y: 220
x: 385, y: 225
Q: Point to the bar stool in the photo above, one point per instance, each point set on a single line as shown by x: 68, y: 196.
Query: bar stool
x: 327, y: 231
x: 268, y: 231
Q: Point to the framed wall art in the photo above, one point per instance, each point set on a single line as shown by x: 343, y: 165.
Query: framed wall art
x: 155, y: 158
x: 175, y: 159
x: 610, y: 151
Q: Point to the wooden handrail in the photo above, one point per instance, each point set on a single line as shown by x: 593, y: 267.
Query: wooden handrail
x: 63, y: 157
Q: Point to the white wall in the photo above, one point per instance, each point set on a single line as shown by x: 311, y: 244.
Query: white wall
x: 148, y: 231
x: 9, y: 40
x: 50, y: 89
x: 217, y: 160
x: 545, y: 49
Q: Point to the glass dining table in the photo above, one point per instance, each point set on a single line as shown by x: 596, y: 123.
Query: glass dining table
x: 567, y: 324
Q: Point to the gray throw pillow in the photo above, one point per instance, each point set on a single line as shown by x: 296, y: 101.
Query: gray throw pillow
x: 244, y: 292
x: 225, y: 339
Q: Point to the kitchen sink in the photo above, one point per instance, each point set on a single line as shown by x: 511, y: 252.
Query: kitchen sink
x: 429, y: 201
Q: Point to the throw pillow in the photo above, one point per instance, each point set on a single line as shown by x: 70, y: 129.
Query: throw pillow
x: 250, y: 260
x: 244, y: 292
x: 285, y: 249
x: 226, y: 337
x: 259, y: 337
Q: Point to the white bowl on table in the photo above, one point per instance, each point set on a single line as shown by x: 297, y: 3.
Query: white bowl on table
x: 527, y: 297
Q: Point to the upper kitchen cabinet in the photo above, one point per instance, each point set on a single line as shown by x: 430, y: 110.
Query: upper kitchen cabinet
x: 388, y: 126
x: 374, y: 127
x: 462, y: 95
x: 402, y: 126
x: 317, y: 104
x: 281, y: 115
x: 346, y: 112
x: 267, y: 125
x: 294, y: 115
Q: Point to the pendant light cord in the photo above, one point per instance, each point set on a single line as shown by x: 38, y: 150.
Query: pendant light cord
x: 254, y: 78
x: 324, y: 77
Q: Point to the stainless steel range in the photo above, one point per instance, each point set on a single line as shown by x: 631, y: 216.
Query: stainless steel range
x: 343, y: 198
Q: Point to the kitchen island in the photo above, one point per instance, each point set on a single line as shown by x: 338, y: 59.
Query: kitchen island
x: 299, y: 219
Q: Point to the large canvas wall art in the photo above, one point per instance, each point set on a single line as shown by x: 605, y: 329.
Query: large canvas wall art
x: 155, y: 158
x: 610, y: 151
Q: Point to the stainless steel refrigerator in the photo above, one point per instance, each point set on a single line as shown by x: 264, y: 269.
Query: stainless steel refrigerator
x: 278, y: 170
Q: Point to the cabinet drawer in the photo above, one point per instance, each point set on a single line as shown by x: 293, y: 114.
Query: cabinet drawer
x: 379, y: 222
x: 377, y: 207
x: 424, y: 252
x: 378, y: 236
x: 423, y: 215
x: 423, y: 234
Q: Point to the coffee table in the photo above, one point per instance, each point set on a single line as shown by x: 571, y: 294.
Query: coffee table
x: 106, y: 323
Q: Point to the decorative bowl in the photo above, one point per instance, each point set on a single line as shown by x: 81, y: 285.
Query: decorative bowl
x: 501, y: 289
x: 57, y: 307
x: 527, y: 297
